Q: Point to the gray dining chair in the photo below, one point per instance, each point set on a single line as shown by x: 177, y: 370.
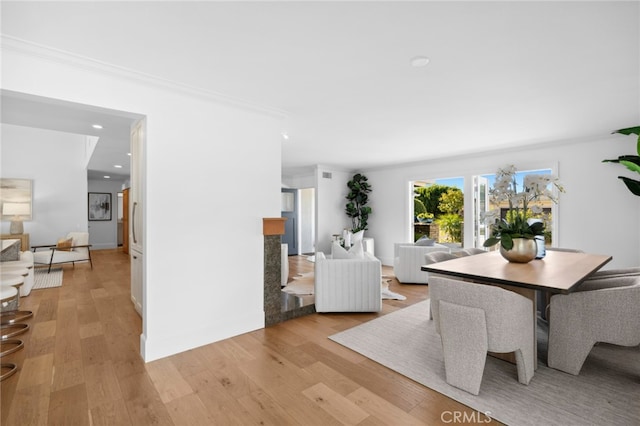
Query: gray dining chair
x: 473, y: 319
x: 605, y: 308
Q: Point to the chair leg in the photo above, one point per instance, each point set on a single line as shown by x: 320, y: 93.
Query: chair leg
x: 567, y: 355
x: 523, y: 362
x: 463, y: 331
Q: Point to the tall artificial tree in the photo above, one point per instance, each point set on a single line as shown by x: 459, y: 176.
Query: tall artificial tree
x: 357, y: 199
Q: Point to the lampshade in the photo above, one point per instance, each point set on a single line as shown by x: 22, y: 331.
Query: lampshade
x: 16, y: 209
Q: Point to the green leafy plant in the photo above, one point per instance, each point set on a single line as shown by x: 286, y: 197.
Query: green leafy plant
x: 418, y: 207
x: 522, y: 205
x: 451, y: 225
x: 358, y: 197
x: 430, y: 197
x: 631, y: 162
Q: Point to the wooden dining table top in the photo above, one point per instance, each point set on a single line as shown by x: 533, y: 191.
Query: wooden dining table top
x: 557, y: 272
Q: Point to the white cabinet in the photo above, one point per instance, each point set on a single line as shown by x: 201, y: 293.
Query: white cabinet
x: 136, y: 214
x: 137, y: 183
x: 136, y: 281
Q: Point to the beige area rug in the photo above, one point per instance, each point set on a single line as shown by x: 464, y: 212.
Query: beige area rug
x: 606, y: 392
x: 302, y: 285
x: 42, y: 279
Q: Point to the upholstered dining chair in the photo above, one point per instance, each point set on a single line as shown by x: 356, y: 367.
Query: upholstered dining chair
x: 473, y: 250
x: 439, y: 256
x: 605, y: 308
x: 473, y: 319
x: 436, y: 257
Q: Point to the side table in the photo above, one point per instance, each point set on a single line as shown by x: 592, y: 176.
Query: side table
x: 24, y: 240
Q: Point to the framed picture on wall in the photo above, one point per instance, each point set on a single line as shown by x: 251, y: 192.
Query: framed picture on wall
x: 17, y: 194
x: 99, y: 206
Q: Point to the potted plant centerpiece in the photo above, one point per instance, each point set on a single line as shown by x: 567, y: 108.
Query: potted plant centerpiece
x: 515, y: 232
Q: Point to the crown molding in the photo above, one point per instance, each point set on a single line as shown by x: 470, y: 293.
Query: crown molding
x: 51, y: 54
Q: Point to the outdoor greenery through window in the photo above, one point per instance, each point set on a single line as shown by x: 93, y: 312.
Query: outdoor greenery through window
x: 439, y: 209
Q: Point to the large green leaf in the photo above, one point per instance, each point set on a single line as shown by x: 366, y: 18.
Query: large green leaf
x: 632, y: 158
x: 633, y: 185
x: 631, y: 131
x: 634, y: 167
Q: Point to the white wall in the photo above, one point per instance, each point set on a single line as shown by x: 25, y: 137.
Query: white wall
x: 331, y: 217
x: 55, y: 162
x: 597, y: 213
x: 203, y: 264
x: 307, y: 220
x: 103, y: 234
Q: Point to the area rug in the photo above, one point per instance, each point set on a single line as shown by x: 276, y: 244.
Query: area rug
x: 303, y: 285
x: 606, y: 392
x: 42, y: 279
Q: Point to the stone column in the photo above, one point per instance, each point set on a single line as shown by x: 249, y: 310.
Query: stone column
x: 272, y: 229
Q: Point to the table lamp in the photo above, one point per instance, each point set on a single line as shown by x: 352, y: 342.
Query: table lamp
x: 16, y: 210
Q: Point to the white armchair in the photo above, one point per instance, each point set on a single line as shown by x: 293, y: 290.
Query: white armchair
x: 603, y: 309
x: 78, y: 251
x: 408, y: 258
x: 348, y: 285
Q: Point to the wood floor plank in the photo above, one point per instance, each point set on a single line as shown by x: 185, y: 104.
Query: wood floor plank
x: 36, y: 371
x: 189, y: 410
x: 102, y: 384
x: 30, y: 406
x: 167, y: 380
x: 336, y: 405
x: 67, y: 375
x: 110, y: 414
x: 385, y: 411
x: 69, y: 406
x: 265, y: 410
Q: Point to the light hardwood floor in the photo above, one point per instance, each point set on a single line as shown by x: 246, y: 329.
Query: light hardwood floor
x: 81, y: 366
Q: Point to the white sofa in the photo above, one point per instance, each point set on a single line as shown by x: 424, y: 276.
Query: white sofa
x: 25, y: 261
x: 408, y: 258
x: 348, y: 285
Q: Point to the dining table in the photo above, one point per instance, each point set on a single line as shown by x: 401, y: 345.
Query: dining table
x: 557, y: 272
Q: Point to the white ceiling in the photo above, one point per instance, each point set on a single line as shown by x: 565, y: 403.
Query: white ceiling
x: 500, y: 73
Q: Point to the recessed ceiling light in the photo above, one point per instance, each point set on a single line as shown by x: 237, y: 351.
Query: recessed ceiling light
x: 285, y: 136
x: 106, y: 177
x: 96, y: 126
x: 117, y: 166
x: 129, y: 154
x: 419, y: 61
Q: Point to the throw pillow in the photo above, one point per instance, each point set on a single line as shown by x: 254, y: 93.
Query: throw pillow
x: 64, y: 244
x: 358, y: 236
x: 11, y: 252
x: 425, y: 241
x: 355, y: 252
